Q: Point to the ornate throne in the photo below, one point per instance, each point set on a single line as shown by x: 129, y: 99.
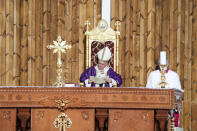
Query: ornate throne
x: 100, y: 37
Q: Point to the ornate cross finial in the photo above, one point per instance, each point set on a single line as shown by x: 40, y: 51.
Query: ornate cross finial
x: 87, y: 23
x: 117, y: 24
x: 62, y: 122
x: 59, y: 47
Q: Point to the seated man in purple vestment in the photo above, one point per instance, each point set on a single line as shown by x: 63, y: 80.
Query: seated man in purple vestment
x: 101, y: 75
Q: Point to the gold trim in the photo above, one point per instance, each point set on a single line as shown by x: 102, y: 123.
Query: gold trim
x: 163, y: 83
x: 102, y: 33
x: 62, y: 103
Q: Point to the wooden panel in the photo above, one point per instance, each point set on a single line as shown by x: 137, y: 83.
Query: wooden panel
x: 16, y: 44
x: 53, y: 36
x: 132, y: 120
x: 143, y: 42
x: 165, y: 26
x: 134, y: 45
x: 31, y: 43
x: 88, y: 97
x: 68, y: 37
x: 8, y: 119
x: 81, y: 47
x: 46, y: 13
x: 75, y: 42
x: 9, y: 41
x: 173, y: 36
x: 128, y: 54
x: 2, y: 42
x: 38, y: 45
x: 82, y: 119
x: 147, y: 27
x: 150, y: 36
x: 122, y: 45
x: 187, y: 66
x: 194, y: 68
x: 24, y: 43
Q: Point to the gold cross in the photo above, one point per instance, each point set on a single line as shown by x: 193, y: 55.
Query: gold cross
x: 59, y: 47
x: 87, y: 23
x: 62, y: 122
x: 117, y: 24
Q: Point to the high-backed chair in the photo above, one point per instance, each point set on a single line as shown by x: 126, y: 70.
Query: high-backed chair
x: 100, y: 37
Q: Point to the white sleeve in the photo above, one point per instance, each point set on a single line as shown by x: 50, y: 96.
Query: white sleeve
x: 149, y: 83
x: 177, y: 82
x: 112, y: 83
x: 87, y: 84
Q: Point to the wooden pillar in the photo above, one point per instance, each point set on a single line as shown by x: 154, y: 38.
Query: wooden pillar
x: 161, y: 119
x: 101, y: 116
x: 23, y: 115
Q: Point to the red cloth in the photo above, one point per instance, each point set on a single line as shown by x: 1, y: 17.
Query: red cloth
x: 176, y: 119
x: 96, y: 47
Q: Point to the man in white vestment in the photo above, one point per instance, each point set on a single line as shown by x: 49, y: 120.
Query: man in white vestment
x: 171, y: 77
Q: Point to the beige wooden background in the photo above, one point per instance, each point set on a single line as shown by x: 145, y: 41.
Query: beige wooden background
x: 147, y: 27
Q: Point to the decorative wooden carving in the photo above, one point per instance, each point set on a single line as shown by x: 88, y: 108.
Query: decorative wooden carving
x: 120, y: 105
x: 88, y: 97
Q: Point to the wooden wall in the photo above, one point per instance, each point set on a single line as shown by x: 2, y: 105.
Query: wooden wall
x: 147, y: 27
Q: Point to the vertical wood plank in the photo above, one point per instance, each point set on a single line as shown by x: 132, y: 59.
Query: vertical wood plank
x: 75, y: 41
x: 158, y: 30
x: 143, y: 41
x: 9, y: 42
x: 187, y: 66
x: 16, y: 44
x: 180, y: 39
x: 165, y: 26
x: 60, y: 17
x: 24, y: 42
x: 134, y: 44
x: 45, y: 40
x: 2, y: 41
x: 31, y: 43
x: 138, y: 45
x: 127, y: 42
x: 122, y: 46
x: 180, y: 46
x: 114, y: 12
x: 82, y: 19
x: 194, y: 68
x: 68, y: 32
x: 38, y: 44
x: 53, y: 37
x: 150, y: 36
x: 173, y: 29
x: 90, y: 13
x: 98, y: 8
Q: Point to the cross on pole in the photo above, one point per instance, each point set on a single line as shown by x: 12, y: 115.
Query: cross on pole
x: 59, y: 47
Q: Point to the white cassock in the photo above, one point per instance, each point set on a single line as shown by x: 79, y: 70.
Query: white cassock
x: 171, y: 77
